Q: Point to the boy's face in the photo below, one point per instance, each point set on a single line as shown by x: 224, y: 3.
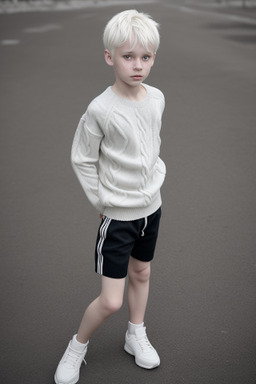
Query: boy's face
x: 131, y: 65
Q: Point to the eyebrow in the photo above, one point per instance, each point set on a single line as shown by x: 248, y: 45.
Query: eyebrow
x: 131, y: 52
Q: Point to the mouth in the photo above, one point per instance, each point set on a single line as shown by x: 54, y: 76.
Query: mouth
x: 137, y: 77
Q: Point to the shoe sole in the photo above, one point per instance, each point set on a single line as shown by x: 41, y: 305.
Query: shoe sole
x: 128, y: 350
x: 71, y: 382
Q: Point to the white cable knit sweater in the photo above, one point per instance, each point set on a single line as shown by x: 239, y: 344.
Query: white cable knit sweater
x: 115, y: 154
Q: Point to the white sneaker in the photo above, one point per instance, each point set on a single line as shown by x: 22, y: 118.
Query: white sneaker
x: 139, y: 346
x: 69, y: 366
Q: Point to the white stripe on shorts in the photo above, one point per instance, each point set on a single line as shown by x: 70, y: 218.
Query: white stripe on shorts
x: 103, y: 234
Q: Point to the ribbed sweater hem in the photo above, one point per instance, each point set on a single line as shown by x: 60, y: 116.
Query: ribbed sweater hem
x: 130, y: 214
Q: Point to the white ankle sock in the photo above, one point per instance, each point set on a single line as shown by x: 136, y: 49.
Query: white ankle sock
x: 77, y: 346
x: 132, y: 327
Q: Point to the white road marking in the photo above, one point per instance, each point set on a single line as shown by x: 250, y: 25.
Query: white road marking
x: 231, y: 17
x: 10, y: 42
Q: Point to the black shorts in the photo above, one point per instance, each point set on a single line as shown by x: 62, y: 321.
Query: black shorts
x: 118, y: 240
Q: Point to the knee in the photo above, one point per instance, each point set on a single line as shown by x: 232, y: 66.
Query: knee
x: 141, y: 274
x: 111, y: 304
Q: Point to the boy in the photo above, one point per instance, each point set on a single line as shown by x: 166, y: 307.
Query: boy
x: 115, y: 155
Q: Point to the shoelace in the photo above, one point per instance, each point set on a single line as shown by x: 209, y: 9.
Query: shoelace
x: 145, y: 344
x: 73, y: 358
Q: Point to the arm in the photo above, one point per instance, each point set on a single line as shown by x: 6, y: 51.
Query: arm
x: 84, y: 159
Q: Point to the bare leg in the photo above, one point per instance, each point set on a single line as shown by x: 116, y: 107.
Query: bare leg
x: 138, y: 289
x: 109, y: 301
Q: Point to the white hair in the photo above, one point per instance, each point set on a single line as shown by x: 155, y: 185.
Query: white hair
x: 133, y: 26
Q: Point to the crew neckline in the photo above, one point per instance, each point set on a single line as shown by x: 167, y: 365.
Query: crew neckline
x: 123, y: 100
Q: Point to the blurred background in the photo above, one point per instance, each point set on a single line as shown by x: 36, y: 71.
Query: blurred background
x: 201, y: 314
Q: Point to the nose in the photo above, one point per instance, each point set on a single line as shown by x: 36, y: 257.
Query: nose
x: 137, y: 64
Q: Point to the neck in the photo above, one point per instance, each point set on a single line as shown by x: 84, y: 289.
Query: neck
x: 136, y: 93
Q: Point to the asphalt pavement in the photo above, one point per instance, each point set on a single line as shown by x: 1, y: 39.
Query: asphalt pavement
x: 201, y: 314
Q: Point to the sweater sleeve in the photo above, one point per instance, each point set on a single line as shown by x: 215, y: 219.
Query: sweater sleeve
x: 85, y: 156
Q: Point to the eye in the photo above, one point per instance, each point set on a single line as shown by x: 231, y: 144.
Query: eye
x: 127, y: 57
x: 146, y: 57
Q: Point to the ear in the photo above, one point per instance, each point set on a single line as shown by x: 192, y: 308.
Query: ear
x: 153, y: 61
x: 108, y: 57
